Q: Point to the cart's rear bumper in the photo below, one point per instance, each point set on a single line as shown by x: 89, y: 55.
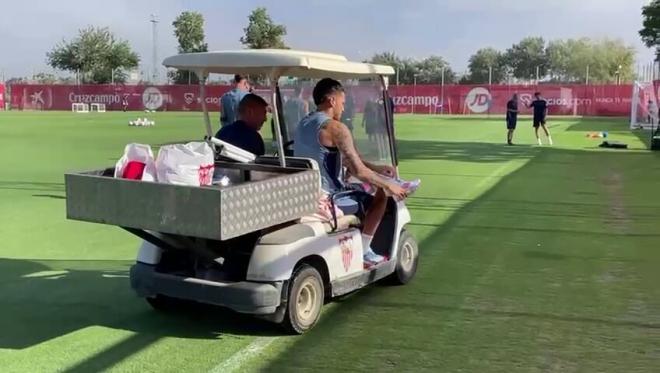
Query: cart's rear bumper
x: 244, y: 296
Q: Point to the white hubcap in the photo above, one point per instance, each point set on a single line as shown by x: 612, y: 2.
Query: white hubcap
x: 308, y: 301
x: 407, y: 257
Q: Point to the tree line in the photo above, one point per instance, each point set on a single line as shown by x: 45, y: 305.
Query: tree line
x: 98, y: 56
x: 530, y: 60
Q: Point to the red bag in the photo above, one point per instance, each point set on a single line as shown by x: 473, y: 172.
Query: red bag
x: 133, y: 170
x: 137, y: 163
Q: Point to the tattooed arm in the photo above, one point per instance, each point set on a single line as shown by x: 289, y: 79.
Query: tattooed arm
x: 386, y: 170
x: 379, y: 169
x: 337, y: 134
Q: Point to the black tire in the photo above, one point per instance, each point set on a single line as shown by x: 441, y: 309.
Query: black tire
x: 406, y: 260
x: 304, y: 300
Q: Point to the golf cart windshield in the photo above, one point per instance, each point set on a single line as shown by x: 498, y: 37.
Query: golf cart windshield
x: 366, y: 108
x: 364, y: 115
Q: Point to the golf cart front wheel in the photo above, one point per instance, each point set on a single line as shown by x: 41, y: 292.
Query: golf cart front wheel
x: 406, y: 260
x: 305, y: 300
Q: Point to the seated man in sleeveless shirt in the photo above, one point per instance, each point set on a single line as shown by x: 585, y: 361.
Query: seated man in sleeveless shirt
x: 322, y: 137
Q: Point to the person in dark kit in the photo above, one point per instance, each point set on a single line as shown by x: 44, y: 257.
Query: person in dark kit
x: 511, y: 117
x: 652, y: 109
x: 244, y: 132
x: 349, y: 111
x: 540, y: 114
x: 370, y: 119
x: 124, y: 103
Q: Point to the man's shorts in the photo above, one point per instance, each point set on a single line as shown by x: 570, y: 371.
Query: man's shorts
x: 511, y: 124
x: 354, y: 204
x: 539, y: 122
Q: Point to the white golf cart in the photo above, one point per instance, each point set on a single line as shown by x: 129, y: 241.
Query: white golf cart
x: 250, y: 246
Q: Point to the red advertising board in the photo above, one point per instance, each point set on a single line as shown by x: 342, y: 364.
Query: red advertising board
x: 2, y: 97
x: 588, y: 100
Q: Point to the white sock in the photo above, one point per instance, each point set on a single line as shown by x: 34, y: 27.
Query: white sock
x: 539, y: 140
x: 550, y: 140
x: 366, y: 242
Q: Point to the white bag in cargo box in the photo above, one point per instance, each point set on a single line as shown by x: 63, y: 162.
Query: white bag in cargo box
x: 185, y: 164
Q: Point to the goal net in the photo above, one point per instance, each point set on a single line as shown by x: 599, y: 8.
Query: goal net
x: 79, y: 107
x: 644, y: 107
x: 97, y: 107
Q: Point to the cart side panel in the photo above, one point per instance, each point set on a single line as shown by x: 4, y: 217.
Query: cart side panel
x: 258, y: 205
x: 164, y: 208
x: 206, y: 212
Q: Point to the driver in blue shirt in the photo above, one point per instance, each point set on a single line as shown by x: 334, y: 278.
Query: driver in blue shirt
x: 244, y: 132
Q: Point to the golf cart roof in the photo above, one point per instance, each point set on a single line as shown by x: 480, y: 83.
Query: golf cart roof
x: 276, y: 63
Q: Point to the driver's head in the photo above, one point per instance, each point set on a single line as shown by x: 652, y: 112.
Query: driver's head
x: 329, y: 96
x: 252, y: 110
x: 241, y: 83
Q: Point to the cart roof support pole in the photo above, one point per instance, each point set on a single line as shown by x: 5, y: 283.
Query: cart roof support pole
x: 202, y: 95
x: 276, y: 118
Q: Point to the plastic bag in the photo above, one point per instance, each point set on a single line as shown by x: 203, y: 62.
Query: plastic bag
x: 137, y: 163
x: 186, y: 164
x: 323, y: 211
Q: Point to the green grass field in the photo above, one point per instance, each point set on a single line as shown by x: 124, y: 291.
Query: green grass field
x: 533, y: 259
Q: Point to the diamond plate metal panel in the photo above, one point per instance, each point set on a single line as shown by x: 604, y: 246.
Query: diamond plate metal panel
x: 253, y: 206
x: 206, y: 212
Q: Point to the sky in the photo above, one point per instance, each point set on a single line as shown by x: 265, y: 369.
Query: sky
x: 453, y: 29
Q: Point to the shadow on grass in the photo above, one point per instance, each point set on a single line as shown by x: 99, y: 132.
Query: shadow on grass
x: 601, y: 124
x: 43, y: 300
x: 51, y: 196
x: 615, y: 126
x: 463, y: 151
x: 419, y: 327
x: 31, y: 186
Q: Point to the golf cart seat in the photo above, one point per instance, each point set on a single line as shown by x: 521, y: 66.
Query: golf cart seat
x: 302, y: 230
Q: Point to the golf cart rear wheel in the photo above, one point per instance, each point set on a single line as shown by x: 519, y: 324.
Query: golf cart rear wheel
x: 406, y: 260
x: 305, y: 300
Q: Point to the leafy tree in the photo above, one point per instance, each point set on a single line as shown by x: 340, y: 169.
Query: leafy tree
x: 262, y: 32
x: 431, y: 69
x: 568, y: 60
x: 189, y: 31
x: 482, y: 62
x: 650, y: 32
x: 525, y: 57
x: 428, y: 70
x: 95, y: 53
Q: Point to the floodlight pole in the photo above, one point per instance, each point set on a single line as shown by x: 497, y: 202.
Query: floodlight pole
x: 154, y: 73
x: 586, y: 81
x: 412, y: 105
x: 442, y: 92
